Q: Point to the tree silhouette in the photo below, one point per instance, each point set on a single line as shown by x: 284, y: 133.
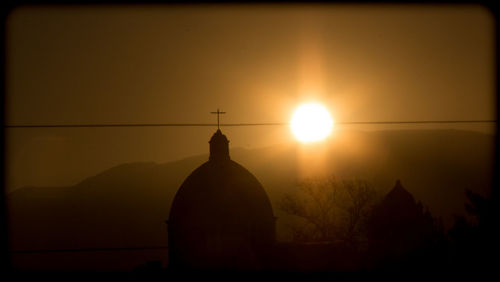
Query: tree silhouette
x: 329, y: 209
x: 472, y: 238
x: 356, y: 204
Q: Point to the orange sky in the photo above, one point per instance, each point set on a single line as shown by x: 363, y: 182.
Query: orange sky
x: 175, y: 64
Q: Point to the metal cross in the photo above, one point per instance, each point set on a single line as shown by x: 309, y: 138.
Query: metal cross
x: 218, y: 113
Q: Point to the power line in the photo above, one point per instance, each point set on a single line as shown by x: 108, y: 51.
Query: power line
x: 240, y: 124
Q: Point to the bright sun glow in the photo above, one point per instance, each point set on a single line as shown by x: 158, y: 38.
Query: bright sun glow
x: 311, y: 122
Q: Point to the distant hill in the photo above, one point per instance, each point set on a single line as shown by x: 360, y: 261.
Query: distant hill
x: 127, y: 205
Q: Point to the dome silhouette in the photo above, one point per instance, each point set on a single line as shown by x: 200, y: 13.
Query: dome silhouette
x: 221, y: 216
x: 398, y: 224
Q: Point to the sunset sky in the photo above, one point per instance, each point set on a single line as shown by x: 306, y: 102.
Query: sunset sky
x: 176, y: 64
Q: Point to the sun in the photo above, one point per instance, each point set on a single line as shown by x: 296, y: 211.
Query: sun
x: 311, y: 122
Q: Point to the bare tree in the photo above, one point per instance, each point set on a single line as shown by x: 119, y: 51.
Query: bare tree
x: 356, y: 203
x: 329, y: 210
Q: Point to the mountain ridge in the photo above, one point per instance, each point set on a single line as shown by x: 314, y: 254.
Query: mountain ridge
x: 132, y: 200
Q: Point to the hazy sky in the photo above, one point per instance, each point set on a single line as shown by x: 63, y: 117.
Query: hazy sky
x: 175, y: 64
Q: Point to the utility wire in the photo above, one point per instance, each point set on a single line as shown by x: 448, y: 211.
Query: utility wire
x: 239, y: 124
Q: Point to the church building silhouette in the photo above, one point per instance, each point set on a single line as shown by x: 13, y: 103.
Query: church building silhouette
x: 221, y: 216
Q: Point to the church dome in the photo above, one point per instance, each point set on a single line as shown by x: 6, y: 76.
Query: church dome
x: 399, y: 198
x: 221, y: 215
x: 398, y: 224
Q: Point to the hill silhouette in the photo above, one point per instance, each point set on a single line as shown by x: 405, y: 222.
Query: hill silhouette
x: 126, y: 205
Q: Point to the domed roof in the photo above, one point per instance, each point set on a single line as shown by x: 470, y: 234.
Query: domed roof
x: 221, y: 217
x: 220, y: 189
x: 399, y: 197
x: 398, y: 205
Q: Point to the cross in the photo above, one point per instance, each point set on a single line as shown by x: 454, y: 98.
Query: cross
x: 218, y: 113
